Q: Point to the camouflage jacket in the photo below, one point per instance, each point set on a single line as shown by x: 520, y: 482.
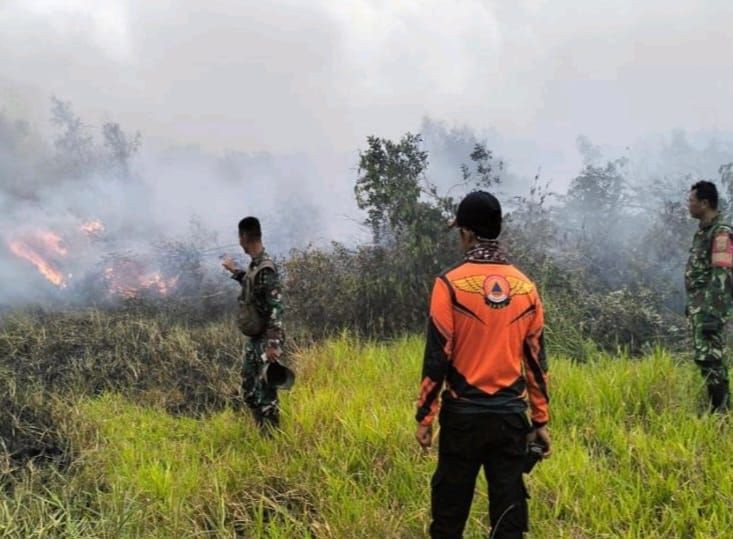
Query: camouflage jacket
x: 267, y: 296
x: 708, y: 272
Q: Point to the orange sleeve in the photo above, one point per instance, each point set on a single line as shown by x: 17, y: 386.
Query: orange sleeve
x: 535, y: 359
x: 438, y: 348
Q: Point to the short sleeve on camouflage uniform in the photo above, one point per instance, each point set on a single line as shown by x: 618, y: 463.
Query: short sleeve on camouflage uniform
x: 722, y: 251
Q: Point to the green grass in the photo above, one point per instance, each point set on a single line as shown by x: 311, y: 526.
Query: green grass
x: 633, y: 457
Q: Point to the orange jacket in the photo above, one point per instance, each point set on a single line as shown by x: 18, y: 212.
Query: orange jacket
x: 485, y: 341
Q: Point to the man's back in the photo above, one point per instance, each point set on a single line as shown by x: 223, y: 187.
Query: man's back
x: 484, y: 343
x: 487, y: 320
x: 498, y: 310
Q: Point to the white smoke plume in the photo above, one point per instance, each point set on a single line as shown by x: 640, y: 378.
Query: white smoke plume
x: 89, y: 207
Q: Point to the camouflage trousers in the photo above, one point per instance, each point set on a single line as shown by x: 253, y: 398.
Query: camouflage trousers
x: 260, y: 397
x: 709, y: 352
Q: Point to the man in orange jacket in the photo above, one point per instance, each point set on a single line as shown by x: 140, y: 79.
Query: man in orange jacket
x: 485, y: 348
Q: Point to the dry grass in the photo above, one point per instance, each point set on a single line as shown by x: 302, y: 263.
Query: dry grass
x: 634, y: 458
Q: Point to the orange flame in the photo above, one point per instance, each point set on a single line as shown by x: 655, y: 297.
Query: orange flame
x: 161, y: 285
x: 33, y: 249
x: 128, y: 279
x: 92, y: 228
x: 51, y: 241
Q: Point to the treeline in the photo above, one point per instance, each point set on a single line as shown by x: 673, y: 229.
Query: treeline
x: 606, y: 247
x: 608, y: 253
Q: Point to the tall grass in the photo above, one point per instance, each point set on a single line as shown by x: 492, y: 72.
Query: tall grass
x: 634, y: 457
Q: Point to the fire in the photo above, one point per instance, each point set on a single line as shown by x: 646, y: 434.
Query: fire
x: 159, y: 284
x: 40, y: 248
x: 95, y: 227
x: 129, y: 279
x: 53, y: 242
x: 124, y: 276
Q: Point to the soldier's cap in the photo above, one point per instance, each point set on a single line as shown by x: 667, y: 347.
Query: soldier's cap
x: 480, y: 212
x: 278, y: 375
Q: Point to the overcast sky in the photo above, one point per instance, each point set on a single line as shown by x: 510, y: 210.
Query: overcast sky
x: 320, y: 75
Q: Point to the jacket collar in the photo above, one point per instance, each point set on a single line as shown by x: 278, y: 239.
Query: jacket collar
x: 487, y: 251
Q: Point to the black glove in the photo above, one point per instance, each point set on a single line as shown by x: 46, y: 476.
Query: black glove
x: 711, y: 324
x: 535, y: 451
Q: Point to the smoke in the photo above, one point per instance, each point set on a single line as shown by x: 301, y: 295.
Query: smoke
x: 88, y: 215
x: 288, y: 76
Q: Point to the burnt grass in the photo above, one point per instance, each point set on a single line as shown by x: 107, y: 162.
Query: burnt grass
x: 159, y: 357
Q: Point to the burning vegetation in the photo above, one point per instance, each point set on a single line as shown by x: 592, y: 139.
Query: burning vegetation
x: 44, y: 250
x: 93, y: 228
x: 125, y: 276
x: 128, y: 278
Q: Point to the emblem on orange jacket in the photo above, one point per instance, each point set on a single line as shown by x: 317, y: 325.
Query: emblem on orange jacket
x: 496, y: 289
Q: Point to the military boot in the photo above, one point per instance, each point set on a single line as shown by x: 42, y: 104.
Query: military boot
x: 719, y: 397
x: 268, y: 419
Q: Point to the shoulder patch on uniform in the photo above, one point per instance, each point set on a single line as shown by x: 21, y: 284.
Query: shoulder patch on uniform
x: 722, y: 254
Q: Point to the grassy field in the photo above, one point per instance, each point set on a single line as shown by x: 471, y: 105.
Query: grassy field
x: 634, y: 457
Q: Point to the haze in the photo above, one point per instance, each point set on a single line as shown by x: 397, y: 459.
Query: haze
x: 319, y: 76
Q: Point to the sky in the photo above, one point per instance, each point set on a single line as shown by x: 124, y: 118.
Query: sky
x: 318, y: 76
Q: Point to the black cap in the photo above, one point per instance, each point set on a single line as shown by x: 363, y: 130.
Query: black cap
x: 480, y: 212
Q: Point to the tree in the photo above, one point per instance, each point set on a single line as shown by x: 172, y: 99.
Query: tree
x: 74, y: 144
x: 485, y: 175
x: 121, y: 147
x: 599, y: 189
x: 77, y: 154
x: 389, y: 184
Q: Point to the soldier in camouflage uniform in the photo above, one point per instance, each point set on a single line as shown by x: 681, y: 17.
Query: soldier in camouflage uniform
x: 708, y: 285
x: 260, y: 320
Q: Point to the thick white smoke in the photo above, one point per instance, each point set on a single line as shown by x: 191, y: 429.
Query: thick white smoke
x: 75, y: 209
x: 145, y: 210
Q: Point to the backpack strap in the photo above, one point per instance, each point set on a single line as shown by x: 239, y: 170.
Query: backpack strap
x: 267, y: 263
x: 251, y: 276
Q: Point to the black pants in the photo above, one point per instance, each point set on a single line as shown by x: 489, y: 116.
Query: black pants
x: 497, y: 442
